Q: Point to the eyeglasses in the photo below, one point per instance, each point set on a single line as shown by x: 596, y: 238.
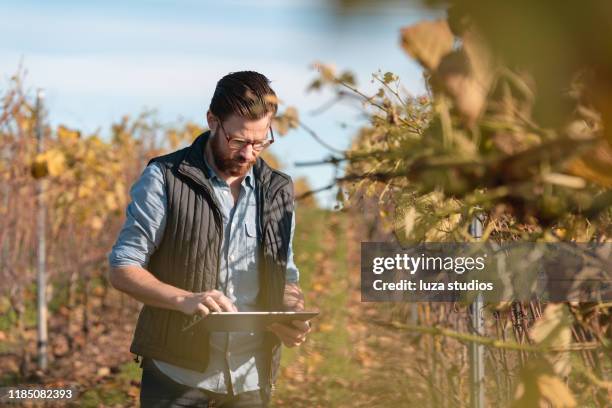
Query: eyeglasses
x: 238, y: 144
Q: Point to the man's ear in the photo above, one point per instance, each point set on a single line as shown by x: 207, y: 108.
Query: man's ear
x: 212, y: 122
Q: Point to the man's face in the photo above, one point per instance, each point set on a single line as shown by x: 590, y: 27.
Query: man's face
x: 237, y: 162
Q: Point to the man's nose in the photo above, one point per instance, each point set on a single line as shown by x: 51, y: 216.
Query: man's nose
x: 247, y: 152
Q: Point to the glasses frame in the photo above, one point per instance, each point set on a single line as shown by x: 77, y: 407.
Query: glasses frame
x: 266, y: 143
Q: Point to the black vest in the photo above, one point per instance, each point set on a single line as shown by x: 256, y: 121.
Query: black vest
x: 188, y: 255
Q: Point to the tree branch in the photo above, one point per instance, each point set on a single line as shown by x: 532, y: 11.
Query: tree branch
x: 489, y: 342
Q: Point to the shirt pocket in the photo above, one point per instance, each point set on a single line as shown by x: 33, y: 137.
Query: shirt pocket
x: 250, y: 240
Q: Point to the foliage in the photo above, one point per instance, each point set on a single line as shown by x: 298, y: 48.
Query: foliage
x: 83, y: 180
x: 507, y: 133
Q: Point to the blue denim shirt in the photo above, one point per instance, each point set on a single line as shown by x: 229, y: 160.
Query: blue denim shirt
x: 235, y: 358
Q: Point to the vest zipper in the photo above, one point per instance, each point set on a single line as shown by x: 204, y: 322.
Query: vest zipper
x: 219, y: 223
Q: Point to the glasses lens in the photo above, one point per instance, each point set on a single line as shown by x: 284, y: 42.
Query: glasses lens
x: 261, y: 145
x: 236, y: 144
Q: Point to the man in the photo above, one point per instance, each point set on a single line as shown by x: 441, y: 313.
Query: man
x: 210, y: 228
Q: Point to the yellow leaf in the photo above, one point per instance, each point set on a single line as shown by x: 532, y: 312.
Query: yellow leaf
x: 327, y: 71
x: 326, y: 327
x: 96, y: 223
x: 553, y: 330
x: 555, y: 391
x: 173, y: 138
x: 66, y: 135
x: 52, y: 162
x: 538, y: 386
x: 85, y: 192
x: 318, y: 287
x: 595, y: 165
x: 56, y: 162
x: 293, y: 118
x: 410, y: 218
x: 111, y: 201
x: 103, y: 372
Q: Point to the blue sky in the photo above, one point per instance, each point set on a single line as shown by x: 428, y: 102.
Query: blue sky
x: 100, y: 60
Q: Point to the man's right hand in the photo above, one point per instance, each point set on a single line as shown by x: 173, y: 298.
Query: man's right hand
x: 204, y: 303
x: 146, y: 288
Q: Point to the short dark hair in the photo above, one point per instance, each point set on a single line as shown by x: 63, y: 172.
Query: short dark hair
x: 246, y: 94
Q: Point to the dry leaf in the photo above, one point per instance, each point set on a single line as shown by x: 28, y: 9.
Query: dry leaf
x: 103, y: 372
x: 553, y: 330
x: 96, y: 223
x: 595, y: 165
x: 326, y: 327
x: 468, y: 93
x: 539, y: 386
x: 555, y: 391
x: 52, y: 162
x: 66, y: 135
x: 480, y: 59
x: 428, y: 42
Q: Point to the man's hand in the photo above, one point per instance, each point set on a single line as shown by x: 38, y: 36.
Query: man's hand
x: 203, y: 303
x: 295, y: 334
x: 291, y: 336
x: 293, y: 298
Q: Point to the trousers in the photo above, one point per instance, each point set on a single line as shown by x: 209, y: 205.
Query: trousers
x: 160, y: 391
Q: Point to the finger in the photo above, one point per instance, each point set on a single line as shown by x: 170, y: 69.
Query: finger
x: 289, y: 341
x: 288, y: 331
x: 302, y: 326
x: 202, y: 310
x: 290, y: 337
x: 292, y: 342
x: 225, y: 303
x: 212, y: 304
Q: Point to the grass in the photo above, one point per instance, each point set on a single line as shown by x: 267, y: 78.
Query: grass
x: 60, y: 297
x: 115, y: 391
x: 325, y: 382
x: 130, y: 372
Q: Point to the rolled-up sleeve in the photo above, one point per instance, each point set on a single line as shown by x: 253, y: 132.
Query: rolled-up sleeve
x: 292, y: 274
x: 145, y: 220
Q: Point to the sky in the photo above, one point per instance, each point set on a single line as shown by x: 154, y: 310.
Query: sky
x: 100, y: 60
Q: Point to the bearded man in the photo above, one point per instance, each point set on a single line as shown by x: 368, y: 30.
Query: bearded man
x: 210, y: 229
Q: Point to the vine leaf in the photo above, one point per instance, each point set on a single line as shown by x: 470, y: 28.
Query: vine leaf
x: 466, y: 74
x: 553, y: 330
x: 428, y: 42
x: 539, y: 386
x: 595, y: 165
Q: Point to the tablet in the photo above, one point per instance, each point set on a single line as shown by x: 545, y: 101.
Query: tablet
x: 250, y: 321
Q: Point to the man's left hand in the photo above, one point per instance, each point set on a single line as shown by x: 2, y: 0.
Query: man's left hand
x: 291, y: 336
x: 294, y: 334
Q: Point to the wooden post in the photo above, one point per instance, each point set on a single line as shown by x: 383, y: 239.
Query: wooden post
x: 41, y: 274
x: 477, y: 364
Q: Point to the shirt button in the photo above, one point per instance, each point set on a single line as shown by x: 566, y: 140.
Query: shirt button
x: 227, y: 354
x: 231, y: 257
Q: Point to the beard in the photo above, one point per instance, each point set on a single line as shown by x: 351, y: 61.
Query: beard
x: 228, y: 163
